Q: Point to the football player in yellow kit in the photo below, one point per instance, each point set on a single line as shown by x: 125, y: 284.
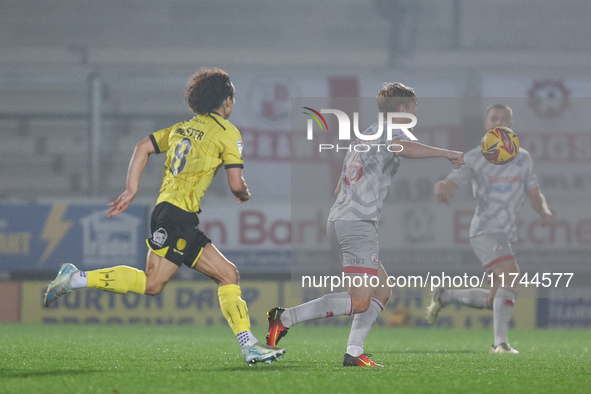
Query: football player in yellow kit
x: 194, y: 150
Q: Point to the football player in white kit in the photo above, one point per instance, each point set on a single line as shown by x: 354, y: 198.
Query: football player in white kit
x: 352, y: 227
x: 499, y: 191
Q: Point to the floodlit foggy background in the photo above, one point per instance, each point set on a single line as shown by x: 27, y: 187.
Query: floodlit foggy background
x: 82, y: 81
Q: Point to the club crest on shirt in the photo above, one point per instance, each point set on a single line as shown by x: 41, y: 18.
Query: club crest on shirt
x: 159, y: 236
x: 374, y: 258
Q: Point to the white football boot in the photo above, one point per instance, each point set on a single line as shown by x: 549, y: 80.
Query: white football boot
x: 61, y: 285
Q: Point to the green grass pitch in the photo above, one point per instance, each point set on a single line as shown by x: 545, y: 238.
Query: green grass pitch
x: 188, y: 359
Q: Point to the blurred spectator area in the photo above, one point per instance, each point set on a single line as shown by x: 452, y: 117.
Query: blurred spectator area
x: 145, y: 50
x: 48, y: 156
x: 112, y: 30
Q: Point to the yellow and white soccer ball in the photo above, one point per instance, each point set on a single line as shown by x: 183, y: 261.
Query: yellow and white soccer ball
x: 499, y: 145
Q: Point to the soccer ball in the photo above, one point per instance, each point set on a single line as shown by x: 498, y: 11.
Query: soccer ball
x: 499, y: 145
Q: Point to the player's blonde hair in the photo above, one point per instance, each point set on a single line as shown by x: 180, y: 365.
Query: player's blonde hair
x: 499, y: 106
x: 393, y: 95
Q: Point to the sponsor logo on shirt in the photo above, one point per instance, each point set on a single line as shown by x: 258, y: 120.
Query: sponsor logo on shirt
x: 504, y: 183
x: 354, y: 261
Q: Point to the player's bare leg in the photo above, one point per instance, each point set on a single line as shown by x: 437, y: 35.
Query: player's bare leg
x: 159, y: 270
x: 215, y: 265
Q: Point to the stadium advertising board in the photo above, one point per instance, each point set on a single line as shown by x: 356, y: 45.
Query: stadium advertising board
x: 197, y: 303
x: 43, y: 236
x: 407, y: 307
x: 427, y: 225
x: 564, y: 308
x: 254, y: 236
x: 421, y: 225
x: 9, y: 302
x: 179, y: 303
x: 258, y: 237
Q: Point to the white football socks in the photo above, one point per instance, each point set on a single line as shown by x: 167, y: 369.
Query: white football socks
x: 474, y: 297
x: 328, y: 305
x: 502, y: 308
x: 362, y: 323
x: 245, y: 338
x: 79, y: 280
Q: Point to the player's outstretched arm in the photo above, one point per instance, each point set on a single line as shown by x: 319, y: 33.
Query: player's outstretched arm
x: 416, y: 150
x: 445, y: 189
x: 237, y: 184
x: 539, y: 204
x: 141, y: 153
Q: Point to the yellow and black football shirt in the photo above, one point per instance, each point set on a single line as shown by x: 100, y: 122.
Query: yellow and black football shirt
x: 195, y: 150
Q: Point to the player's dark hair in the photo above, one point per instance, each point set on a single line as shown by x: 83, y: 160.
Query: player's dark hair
x: 207, y: 90
x: 393, y: 95
x: 499, y: 106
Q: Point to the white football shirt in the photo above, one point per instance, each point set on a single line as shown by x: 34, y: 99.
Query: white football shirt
x: 499, y: 191
x: 366, y: 178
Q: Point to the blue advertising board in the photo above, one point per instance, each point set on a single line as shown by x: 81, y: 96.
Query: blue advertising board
x: 43, y: 236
